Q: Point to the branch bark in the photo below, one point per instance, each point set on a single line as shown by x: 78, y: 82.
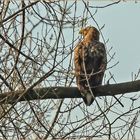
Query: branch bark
x: 68, y: 92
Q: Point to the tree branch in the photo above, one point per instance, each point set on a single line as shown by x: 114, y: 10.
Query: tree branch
x: 68, y: 92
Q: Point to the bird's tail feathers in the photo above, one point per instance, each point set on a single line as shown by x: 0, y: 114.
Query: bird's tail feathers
x: 88, y: 99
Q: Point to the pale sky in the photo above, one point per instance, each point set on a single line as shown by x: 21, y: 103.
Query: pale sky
x: 122, y: 27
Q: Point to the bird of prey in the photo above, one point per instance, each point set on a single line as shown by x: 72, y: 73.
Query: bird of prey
x: 90, y: 62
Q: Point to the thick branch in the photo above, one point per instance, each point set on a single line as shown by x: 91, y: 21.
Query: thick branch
x: 68, y: 92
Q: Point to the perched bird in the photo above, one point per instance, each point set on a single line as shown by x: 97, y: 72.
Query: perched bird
x: 90, y: 62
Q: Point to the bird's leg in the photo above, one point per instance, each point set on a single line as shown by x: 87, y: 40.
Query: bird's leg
x: 81, y: 87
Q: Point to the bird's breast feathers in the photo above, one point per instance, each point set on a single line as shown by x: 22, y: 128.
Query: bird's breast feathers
x: 93, y: 49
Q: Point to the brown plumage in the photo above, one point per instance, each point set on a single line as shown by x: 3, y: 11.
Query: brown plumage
x: 90, y: 63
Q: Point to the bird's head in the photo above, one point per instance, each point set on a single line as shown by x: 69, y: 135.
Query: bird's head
x: 90, y: 31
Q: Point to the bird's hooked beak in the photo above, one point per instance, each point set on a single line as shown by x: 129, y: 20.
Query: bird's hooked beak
x: 81, y: 31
